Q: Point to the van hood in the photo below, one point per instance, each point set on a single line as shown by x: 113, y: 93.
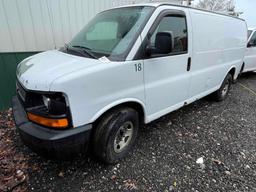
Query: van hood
x: 39, y: 71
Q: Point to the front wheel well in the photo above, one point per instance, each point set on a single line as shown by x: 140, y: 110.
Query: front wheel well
x: 137, y: 107
x: 134, y: 105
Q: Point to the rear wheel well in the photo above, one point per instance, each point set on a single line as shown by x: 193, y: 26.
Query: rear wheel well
x: 242, y: 68
x: 232, y: 72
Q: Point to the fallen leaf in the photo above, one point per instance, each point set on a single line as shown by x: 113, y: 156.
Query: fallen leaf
x: 61, y: 174
x: 130, y: 185
x: 113, y: 177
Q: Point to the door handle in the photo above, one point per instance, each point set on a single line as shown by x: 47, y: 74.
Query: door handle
x: 189, y: 64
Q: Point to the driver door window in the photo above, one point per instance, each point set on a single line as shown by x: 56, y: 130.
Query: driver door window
x: 177, y: 27
x: 253, y: 40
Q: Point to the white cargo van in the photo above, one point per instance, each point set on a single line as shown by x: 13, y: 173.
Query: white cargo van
x: 250, y: 56
x: 129, y: 65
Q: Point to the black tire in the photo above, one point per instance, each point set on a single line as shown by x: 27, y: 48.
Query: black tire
x: 108, y: 128
x: 222, y: 93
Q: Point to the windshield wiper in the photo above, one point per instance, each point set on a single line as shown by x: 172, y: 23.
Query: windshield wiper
x: 85, y: 49
x: 81, y: 50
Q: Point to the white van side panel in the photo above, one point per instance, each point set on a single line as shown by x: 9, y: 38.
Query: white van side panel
x: 214, y: 51
x: 218, y: 45
x: 91, y: 92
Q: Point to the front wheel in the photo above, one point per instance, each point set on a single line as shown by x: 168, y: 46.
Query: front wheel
x: 222, y: 93
x: 115, y: 135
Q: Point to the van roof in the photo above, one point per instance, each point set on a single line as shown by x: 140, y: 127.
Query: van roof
x: 158, y: 4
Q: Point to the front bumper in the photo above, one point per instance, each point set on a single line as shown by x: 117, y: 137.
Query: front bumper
x: 50, y: 142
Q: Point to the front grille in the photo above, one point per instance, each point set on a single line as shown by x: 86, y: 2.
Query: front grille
x: 28, y: 98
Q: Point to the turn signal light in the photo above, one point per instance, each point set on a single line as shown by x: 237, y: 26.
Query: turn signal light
x: 55, y: 123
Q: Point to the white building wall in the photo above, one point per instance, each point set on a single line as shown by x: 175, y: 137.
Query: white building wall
x: 39, y: 25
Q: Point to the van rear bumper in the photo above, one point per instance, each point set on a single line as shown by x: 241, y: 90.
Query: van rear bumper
x: 49, y: 142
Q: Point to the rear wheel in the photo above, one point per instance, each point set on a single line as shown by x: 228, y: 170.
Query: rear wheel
x: 115, y: 135
x: 222, y: 93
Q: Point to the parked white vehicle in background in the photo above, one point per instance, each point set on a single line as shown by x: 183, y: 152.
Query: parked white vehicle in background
x: 250, y: 56
x: 129, y: 65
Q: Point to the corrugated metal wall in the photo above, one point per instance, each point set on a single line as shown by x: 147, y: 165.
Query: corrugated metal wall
x: 38, y: 25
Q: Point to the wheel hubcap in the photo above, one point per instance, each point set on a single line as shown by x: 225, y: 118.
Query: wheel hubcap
x: 123, y: 136
x: 225, y: 89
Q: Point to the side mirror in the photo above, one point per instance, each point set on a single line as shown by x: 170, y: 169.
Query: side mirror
x: 250, y: 44
x: 163, y: 44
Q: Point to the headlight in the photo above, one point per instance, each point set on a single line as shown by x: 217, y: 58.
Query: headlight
x: 56, y: 105
x: 48, y: 109
x: 47, y: 102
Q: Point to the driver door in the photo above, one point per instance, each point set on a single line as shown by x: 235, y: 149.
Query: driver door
x: 250, y: 59
x: 167, y: 76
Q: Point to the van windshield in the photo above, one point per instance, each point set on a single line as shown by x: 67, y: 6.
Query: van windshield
x: 113, y: 32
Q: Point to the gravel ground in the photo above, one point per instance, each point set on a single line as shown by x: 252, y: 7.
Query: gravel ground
x: 164, y: 158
